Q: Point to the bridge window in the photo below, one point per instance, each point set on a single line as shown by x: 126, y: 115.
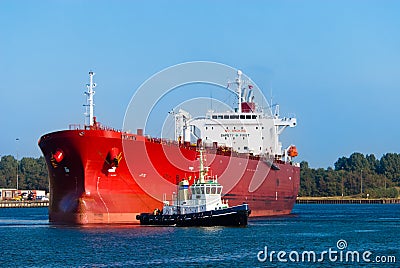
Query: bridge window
x: 248, y: 116
x: 242, y: 116
x: 234, y: 117
x: 226, y: 116
x: 208, y: 189
x: 254, y: 116
x: 220, y: 117
x: 214, y: 117
x: 213, y: 190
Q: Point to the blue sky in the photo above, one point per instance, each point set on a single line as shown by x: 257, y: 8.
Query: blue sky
x: 334, y: 64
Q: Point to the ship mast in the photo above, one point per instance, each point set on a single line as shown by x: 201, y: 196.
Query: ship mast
x: 239, y: 89
x: 89, y: 100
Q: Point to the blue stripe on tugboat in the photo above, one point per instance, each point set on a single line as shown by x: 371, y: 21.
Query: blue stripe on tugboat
x: 198, y: 205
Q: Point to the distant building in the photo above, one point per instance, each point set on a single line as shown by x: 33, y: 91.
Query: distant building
x: 8, y: 194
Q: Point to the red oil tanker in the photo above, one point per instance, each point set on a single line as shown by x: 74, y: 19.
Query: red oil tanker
x: 102, y: 175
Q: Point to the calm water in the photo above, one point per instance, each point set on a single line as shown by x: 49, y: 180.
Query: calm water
x: 28, y: 240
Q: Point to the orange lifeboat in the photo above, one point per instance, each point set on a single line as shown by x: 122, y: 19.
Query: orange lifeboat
x: 293, y: 151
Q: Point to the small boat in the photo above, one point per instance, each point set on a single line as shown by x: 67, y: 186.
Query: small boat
x: 199, y: 204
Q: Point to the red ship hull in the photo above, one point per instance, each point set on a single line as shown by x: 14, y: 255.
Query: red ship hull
x: 88, y: 187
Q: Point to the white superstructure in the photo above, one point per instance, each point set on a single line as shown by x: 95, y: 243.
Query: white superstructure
x: 247, y: 129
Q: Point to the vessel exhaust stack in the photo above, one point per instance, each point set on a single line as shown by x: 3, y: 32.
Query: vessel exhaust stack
x: 89, y: 100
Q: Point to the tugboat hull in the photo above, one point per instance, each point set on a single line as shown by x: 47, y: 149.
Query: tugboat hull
x: 233, y: 216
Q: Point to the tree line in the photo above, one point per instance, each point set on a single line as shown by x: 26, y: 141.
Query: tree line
x: 32, y: 173
x: 358, y: 175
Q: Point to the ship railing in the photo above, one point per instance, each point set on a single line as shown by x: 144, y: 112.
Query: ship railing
x: 97, y: 126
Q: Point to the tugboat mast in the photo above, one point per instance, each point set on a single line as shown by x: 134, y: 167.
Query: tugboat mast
x: 89, y: 100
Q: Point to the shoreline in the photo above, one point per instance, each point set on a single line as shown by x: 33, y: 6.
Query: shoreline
x: 23, y: 204
x: 346, y: 200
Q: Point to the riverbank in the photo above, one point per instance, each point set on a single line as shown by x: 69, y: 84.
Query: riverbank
x: 23, y: 204
x: 345, y: 200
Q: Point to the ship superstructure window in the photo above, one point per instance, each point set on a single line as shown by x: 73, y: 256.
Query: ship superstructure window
x: 220, y: 117
x: 242, y: 116
x: 226, y: 116
x: 254, y: 116
x: 213, y: 190
x: 248, y: 116
x: 214, y: 117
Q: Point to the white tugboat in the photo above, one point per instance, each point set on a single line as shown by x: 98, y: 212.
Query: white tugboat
x: 198, y: 205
